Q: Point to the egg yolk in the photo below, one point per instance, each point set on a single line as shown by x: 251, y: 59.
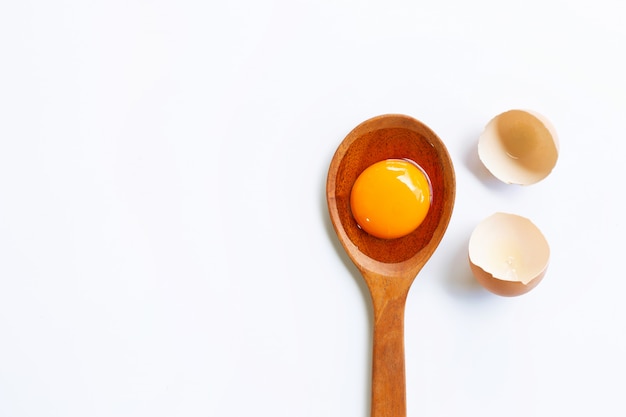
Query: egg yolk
x: 390, y: 198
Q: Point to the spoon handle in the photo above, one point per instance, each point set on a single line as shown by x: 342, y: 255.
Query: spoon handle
x: 388, y: 373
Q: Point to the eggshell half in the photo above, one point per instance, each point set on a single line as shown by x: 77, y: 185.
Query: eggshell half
x: 519, y: 147
x: 508, y: 254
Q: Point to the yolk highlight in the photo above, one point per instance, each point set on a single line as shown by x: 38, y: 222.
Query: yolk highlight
x: 390, y: 198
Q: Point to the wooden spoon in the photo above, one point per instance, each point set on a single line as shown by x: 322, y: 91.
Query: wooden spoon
x: 390, y: 266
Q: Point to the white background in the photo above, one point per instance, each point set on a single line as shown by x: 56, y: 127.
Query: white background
x: 165, y: 248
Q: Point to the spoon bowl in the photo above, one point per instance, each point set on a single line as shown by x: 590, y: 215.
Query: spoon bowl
x: 389, y: 266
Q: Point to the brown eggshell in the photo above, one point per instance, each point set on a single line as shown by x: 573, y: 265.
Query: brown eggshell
x: 508, y: 254
x: 502, y: 287
x: 519, y: 147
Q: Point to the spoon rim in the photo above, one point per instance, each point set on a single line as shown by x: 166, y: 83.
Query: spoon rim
x: 413, y: 264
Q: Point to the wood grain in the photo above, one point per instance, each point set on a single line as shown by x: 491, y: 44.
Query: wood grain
x: 389, y: 266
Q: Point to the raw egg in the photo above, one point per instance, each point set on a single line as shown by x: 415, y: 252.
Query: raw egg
x: 519, y: 147
x: 390, y: 198
x: 508, y: 254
